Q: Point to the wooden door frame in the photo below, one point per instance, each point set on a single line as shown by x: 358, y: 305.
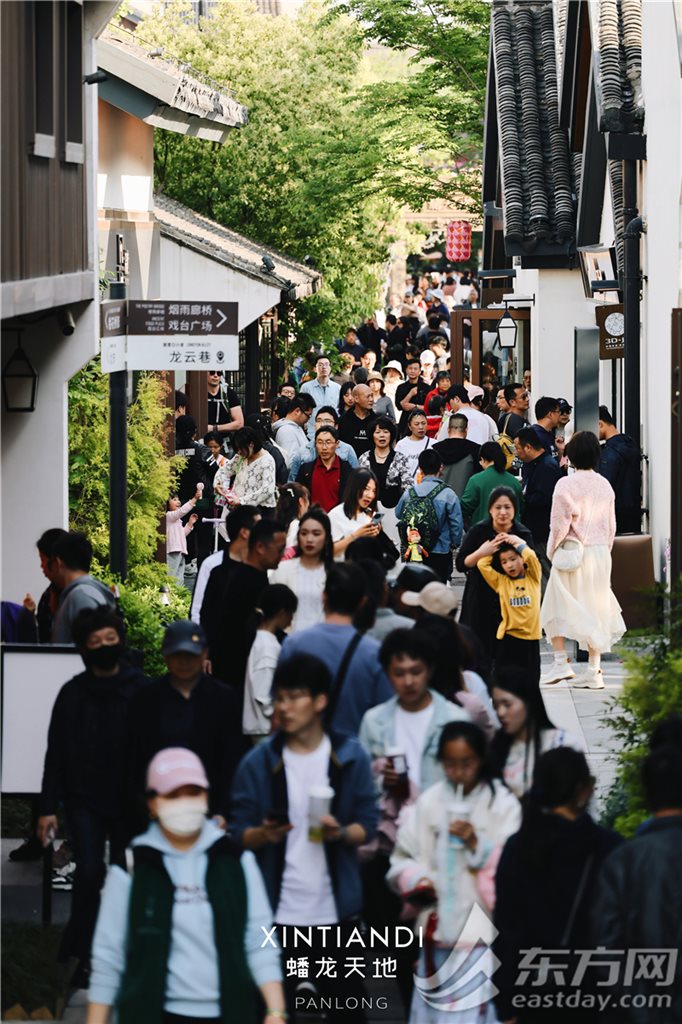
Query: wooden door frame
x: 477, y: 316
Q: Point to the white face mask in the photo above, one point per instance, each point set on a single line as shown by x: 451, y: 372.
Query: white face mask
x: 184, y: 816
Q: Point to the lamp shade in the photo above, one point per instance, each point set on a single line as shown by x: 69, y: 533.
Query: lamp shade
x: 506, y: 330
x: 19, y: 382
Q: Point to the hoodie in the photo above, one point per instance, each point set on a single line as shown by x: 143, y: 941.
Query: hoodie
x: 84, y: 592
x: 620, y: 466
x: 192, y: 983
x: 291, y: 438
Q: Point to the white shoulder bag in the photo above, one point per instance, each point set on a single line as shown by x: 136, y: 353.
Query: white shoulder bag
x: 568, y: 556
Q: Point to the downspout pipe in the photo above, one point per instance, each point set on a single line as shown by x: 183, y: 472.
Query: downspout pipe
x: 632, y: 282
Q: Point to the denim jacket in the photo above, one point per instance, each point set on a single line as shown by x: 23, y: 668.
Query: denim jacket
x: 260, y: 785
x: 377, y: 731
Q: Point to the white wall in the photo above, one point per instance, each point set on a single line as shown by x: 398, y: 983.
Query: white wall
x: 660, y: 205
x: 125, y: 175
x: 560, y: 307
x: 35, y: 448
x: 186, y: 274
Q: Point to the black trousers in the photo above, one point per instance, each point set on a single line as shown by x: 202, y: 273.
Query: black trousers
x: 305, y: 995
x: 89, y: 832
x: 523, y: 654
x: 441, y: 565
x: 381, y: 910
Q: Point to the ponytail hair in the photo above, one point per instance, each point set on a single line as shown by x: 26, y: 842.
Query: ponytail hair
x: 274, y: 599
x: 288, y: 502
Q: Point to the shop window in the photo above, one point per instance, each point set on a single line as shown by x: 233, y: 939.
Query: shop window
x: 40, y: 84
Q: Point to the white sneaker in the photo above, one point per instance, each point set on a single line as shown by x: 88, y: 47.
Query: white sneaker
x: 555, y: 673
x: 593, y: 679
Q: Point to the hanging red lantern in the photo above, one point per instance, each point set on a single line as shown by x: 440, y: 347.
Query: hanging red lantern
x: 458, y: 241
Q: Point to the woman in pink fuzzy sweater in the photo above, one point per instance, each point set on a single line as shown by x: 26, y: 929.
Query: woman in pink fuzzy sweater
x: 580, y: 604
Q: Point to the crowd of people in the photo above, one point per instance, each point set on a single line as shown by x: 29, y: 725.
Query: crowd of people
x: 336, y: 746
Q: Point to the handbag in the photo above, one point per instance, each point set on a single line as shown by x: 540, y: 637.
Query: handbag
x: 568, y: 556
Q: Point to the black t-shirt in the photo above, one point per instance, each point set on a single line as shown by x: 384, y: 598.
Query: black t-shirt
x: 403, y: 390
x: 356, y: 432
x: 515, y: 425
x: 219, y: 405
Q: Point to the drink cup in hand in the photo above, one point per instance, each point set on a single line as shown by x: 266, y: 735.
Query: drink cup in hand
x: 319, y: 805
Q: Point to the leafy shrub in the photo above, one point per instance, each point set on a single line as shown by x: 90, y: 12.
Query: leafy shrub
x: 151, y: 478
x: 151, y: 472
x: 652, y: 692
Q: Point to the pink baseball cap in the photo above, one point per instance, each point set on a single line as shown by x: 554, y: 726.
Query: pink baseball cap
x: 175, y: 767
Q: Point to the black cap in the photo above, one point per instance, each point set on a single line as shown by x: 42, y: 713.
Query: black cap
x: 564, y: 405
x: 184, y: 636
x: 415, y: 578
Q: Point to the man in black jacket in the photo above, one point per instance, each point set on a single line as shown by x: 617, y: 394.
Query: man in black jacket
x: 621, y: 467
x: 187, y: 708
x: 326, y: 476
x: 539, y: 476
x: 85, y: 769
x: 638, y: 906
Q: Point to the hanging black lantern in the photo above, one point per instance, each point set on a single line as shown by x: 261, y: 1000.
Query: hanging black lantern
x: 507, y: 330
x: 19, y: 381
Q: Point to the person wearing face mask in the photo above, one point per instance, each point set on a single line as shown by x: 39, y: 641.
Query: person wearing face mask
x: 84, y: 770
x: 181, y: 939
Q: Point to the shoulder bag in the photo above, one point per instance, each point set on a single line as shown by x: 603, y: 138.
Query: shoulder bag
x: 568, y: 556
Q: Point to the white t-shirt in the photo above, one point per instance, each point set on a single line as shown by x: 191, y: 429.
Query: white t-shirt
x: 260, y: 668
x: 413, y: 449
x: 342, y: 526
x: 411, y: 728
x: 480, y: 428
x: 306, y: 896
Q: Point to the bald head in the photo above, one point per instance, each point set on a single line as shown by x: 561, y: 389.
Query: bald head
x: 364, y: 397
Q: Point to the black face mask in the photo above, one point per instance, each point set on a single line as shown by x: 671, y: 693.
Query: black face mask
x: 104, y: 658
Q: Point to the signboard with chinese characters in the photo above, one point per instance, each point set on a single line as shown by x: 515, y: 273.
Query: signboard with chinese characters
x: 169, y: 335
x: 182, y: 352
x: 611, y: 326
x: 195, y: 318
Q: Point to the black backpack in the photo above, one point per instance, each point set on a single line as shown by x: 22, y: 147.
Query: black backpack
x: 419, y: 512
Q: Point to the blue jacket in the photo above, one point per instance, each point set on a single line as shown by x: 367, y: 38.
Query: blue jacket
x: 448, y: 510
x: 366, y: 683
x: 260, y: 784
x: 377, y: 731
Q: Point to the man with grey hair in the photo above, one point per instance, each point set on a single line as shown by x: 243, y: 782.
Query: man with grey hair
x: 356, y: 424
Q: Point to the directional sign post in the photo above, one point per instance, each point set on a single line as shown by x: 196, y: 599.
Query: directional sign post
x: 183, y: 336
x: 169, y: 335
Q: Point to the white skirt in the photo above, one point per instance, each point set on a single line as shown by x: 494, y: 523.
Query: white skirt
x: 581, y: 606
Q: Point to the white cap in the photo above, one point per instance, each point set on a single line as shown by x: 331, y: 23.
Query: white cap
x: 393, y: 364
x: 436, y: 598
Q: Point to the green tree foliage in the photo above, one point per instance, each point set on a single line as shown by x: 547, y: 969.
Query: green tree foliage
x: 150, y: 471
x: 325, y: 164
x: 448, y: 45
x: 151, y: 476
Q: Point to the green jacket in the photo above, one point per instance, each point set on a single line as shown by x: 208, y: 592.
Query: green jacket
x: 477, y: 492
x: 143, y: 988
